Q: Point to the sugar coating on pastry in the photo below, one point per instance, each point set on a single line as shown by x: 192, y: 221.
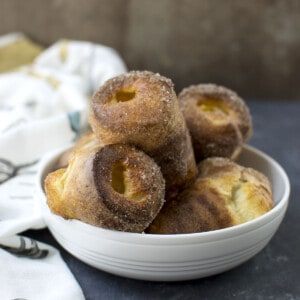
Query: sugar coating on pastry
x: 129, y: 183
x: 218, y: 119
x: 115, y: 186
x: 225, y: 194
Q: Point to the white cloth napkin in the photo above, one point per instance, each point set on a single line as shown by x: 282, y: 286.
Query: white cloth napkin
x: 42, y: 107
x: 33, y: 271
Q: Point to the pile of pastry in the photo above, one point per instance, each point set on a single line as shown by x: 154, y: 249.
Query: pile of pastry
x: 156, y: 162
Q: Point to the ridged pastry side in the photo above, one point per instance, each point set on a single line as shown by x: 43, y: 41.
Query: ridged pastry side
x: 225, y: 194
x: 88, y: 139
x: 218, y: 119
x: 116, y: 187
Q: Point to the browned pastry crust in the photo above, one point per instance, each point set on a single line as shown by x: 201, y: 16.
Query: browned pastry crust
x: 116, y: 186
x: 141, y: 108
x: 225, y: 194
x: 218, y: 119
x: 86, y: 140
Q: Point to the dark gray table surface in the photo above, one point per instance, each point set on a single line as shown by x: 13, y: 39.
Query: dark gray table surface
x: 272, y: 274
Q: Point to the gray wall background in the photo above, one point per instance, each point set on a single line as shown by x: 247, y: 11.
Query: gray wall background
x: 252, y: 46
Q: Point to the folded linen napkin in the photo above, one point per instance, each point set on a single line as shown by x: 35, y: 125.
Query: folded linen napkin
x: 43, y: 106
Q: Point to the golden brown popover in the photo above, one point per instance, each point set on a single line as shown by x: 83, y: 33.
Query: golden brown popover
x: 218, y: 119
x: 224, y: 194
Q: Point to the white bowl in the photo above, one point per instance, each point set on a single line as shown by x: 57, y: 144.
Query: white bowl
x: 171, y: 257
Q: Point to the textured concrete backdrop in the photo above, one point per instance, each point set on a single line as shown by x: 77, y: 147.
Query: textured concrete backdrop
x: 252, y: 47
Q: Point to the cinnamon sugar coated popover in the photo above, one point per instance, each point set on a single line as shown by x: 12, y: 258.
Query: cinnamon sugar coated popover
x: 218, y: 119
x: 114, y: 186
x: 141, y: 109
x: 136, y: 171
